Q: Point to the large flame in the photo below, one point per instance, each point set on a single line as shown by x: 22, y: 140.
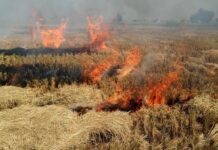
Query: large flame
x: 157, y: 93
x: 53, y: 37
x: 131, y: 98
x: 97, y: 33
x: 125, y: 98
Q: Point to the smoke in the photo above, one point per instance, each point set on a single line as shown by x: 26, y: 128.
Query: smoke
x: 15, y: 13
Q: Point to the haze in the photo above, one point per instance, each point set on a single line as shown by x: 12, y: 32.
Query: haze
x: 19, y: 12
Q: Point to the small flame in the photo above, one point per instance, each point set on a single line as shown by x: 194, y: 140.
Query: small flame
x: 132, y: 60
x: 96, y: 73
x: 53, y: 37
x: 157, y: 93
x: 98, y: 33
x: 129, y: 99
x: 133, y: 57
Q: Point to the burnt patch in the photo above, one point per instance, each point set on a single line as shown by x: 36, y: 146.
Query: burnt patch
x: 133, y: 105
x: 80, y: 109
x: 29, y: 74
x: 44, y: 51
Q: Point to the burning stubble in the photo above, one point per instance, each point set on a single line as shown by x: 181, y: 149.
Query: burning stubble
x: 156, y: 94
x: 132, y: 60
x: 97, y: 33
x: 124, y: 99
x: 99, y: 69
x: 53, y: 37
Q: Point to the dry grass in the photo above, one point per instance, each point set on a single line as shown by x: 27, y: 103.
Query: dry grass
x: 71, y: 95
x: 55, y: 127
x: 192, y: 125
x: 211, y: 56
x: 11, y: 97
x: 186, y: 126
x: 82, y: 95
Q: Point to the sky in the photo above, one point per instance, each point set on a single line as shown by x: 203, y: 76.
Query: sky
x: 132, y: 9
x: 15, y: 12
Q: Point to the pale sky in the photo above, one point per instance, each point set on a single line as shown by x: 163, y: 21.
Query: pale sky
x: 15, y: 10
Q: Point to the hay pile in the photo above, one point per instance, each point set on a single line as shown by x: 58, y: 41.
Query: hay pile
x: 45, y: 121
x: 11, y: 96
x: 71, y: 95
x: 55, y: 127
x: 68, y: 96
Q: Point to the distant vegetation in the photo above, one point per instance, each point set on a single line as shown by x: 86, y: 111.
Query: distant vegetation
x: 202, y: 16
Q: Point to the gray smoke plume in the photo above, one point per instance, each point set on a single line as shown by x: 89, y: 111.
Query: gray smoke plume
x: 14, y: 13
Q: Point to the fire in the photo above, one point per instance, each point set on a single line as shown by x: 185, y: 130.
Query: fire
x: 157, y: 93
x: 53, y: 37
x: 132, y: 60
x: 129, y: 99
x: 125, y: 98
x: 98, y: 33
x: 96, y: 73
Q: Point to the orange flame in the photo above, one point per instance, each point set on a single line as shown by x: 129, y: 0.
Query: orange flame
x: 157, y: 93
x: 133, y: 57
x: 132, y: 60
x: 103, y: 66
x: 98, y: 33
x: 130, y: 99
x: 53, y: 37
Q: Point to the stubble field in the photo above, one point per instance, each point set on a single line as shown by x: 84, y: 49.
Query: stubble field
x: 148, y: 88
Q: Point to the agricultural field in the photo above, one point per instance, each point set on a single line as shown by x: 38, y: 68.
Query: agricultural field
x: 123, y: 87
